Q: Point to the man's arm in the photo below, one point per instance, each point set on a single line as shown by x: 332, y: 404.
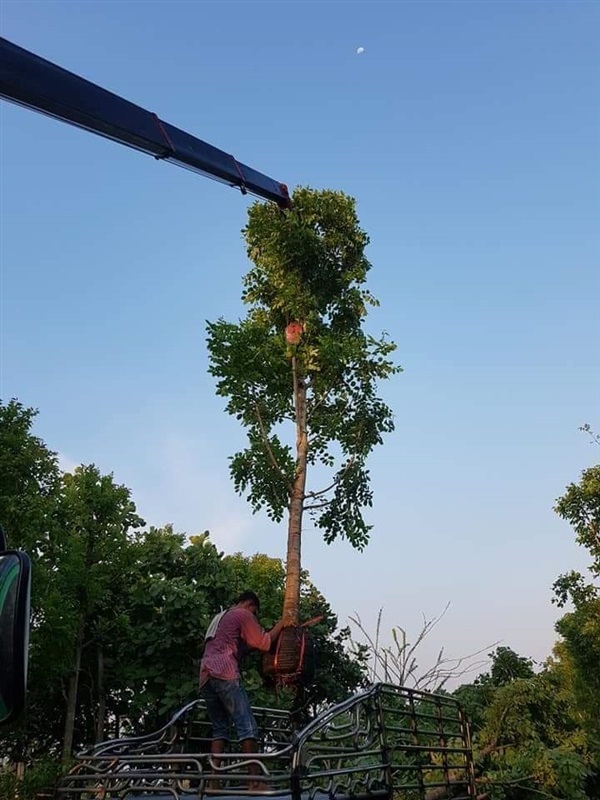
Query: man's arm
x: 276, y: 630
x: 255, y: 637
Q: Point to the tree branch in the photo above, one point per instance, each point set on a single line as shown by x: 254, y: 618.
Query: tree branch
x: 322, y: 398
x: 318, y: 505
x: 493, y: 746
x: 269, y: 449
x: 338, y: 478
x: 513, y: 782
x: 398, y: 662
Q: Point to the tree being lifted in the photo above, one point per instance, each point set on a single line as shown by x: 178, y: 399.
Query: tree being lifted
x: 301, y: 357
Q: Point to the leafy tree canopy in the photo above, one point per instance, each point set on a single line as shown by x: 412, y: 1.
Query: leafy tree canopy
x: 301, y: 373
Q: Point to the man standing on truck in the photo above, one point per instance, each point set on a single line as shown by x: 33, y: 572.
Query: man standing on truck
x: 230, y: 635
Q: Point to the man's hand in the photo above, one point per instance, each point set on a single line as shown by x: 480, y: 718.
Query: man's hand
x: 276, y: 630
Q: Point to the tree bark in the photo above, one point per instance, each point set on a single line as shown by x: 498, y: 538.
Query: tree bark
x: 291, y: 601
x: 101, y: 714
x: 72, y: 693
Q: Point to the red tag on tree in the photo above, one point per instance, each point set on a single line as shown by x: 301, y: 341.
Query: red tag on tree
x: 293, y: 332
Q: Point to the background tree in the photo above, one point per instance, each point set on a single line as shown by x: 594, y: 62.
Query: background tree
x: 580, y: 627
x: 301, y: 363
x: 29, y: 477
x: 580, y: 507
x: 527, y: 736
x: 175, y: 588
x: 539, y: 733
x: 580, y: 632
x: 95, y: 517
x: 29, y: 485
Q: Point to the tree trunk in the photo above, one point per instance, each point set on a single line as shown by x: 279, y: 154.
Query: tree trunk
x: 291, y: 601
x: 101, y: 715
x: 72, y: 694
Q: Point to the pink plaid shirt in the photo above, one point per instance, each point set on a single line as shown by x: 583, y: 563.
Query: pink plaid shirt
x: 238, y: 631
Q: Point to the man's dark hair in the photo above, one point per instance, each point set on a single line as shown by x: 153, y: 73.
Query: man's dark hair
x: 249, y: 597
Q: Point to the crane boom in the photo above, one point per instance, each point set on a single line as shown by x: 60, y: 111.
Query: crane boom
x: 33, y: 82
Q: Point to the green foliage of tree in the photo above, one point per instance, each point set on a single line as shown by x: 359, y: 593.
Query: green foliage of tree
x: 580, y: 507
x: 301, y: 373
x: 29, y: 476
x: 527, y: 735
x: 580, y: 631
x: 174, y: 591
x: 580, y: 628
x: 507, y: 667
x: 38, y: 782
x: 29, y: 486
x: 476, y: 697
x: 95, y: 517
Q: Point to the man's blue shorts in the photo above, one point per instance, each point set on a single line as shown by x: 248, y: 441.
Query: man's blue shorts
x: 227, y: 701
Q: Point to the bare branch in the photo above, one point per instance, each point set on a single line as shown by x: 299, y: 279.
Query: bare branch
x: 324, y: 504
x: 338, y: 478
x: 519, y: 785
x: 398, y: 664
x: 594, y: 437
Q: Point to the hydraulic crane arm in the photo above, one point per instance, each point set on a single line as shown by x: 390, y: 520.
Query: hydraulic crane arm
x: 35, y: 83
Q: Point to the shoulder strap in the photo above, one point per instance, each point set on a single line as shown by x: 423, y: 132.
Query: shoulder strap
x: 212, y: 628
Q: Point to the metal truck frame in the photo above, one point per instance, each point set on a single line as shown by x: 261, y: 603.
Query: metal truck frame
x: 385, y: 743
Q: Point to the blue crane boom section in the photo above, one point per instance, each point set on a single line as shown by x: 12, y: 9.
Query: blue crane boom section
x: 33, y: 82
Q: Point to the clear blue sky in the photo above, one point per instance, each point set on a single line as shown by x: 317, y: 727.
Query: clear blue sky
x: 469, y: 134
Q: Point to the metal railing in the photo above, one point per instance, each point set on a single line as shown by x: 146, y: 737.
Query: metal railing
x: 386, y: 742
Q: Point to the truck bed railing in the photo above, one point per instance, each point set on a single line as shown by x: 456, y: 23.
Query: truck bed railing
x: 386, y: 742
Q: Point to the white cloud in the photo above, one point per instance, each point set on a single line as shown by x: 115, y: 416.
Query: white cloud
x: 66, y: 463
x: 188, y: 485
